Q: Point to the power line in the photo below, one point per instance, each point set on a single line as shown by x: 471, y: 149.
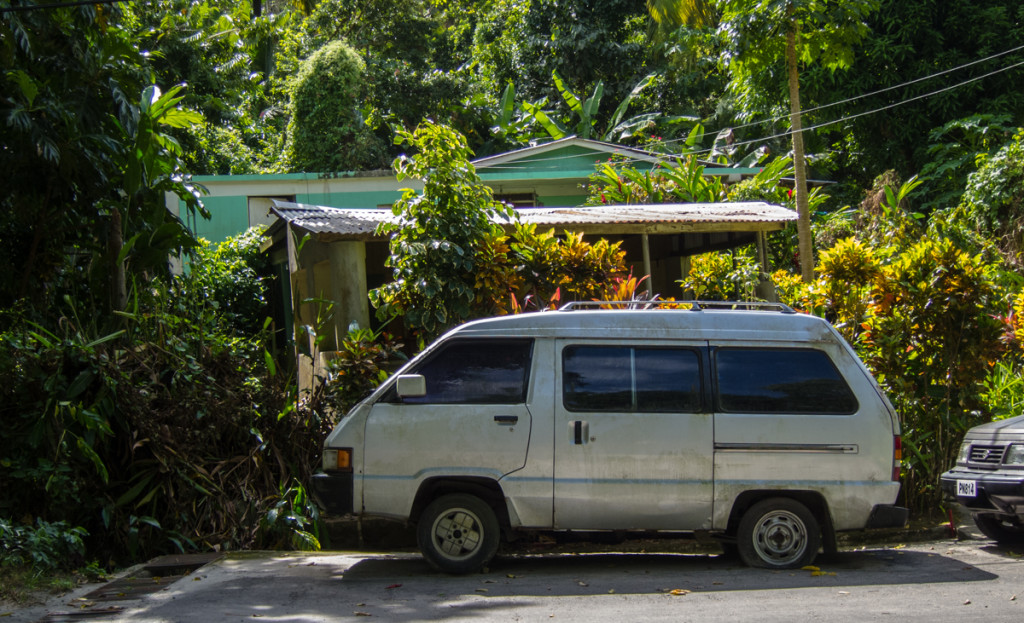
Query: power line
x: 888, y: 106
x: 817, y: 126
x: 884, y: 90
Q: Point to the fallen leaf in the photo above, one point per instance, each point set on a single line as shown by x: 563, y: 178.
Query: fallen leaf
x: 717, y: 583
x: 512, y: 575
x: 810, y: 568
x: 582, y: 583
x: 360, y: 605
x: 392, y: 586
x: 482, y: 590
x: 490, y: 581
x: 611, y: 591
x: 679, y: 591
x: 362, y: 614
x: 900, y: 546
x: 196, y: 579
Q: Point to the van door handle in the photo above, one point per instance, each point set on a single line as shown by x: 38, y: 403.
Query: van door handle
x: 580, y: 431
x: 506, y: 419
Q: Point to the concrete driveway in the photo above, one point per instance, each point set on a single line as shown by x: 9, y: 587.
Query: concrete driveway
x: 942, y: 580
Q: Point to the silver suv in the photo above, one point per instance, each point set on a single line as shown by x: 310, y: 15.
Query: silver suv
x: 989, y: 479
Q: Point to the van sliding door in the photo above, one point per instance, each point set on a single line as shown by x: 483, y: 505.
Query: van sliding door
x: 633, y: 436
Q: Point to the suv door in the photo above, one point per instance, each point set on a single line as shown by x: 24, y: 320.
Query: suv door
x: 633, y: 436
x: 473, y: 421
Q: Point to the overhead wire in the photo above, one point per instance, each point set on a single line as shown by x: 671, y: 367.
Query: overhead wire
x: 883, y: 90
x: 816, y: 126
x: 826, y: 123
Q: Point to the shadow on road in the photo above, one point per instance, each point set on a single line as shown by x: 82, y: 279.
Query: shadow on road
x: 588, y: 574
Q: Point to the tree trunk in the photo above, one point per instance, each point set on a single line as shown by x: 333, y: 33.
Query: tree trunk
x: 115, y: 242
x: 803, y: 225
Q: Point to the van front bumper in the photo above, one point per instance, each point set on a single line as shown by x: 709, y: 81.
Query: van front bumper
x: 333, y: 491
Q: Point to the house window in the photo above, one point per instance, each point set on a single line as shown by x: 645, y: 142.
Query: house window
x: 518, y: 200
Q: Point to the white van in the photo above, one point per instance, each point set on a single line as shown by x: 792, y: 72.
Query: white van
x: 749, y: 421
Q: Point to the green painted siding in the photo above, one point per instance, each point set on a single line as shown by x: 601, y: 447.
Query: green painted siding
x: 229, y: 216
x: 350, y: 200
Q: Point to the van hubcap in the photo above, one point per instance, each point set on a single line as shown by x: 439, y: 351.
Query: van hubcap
x: 780, y: 537
x: 457, y: 533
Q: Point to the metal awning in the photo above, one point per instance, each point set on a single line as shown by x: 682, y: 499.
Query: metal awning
x: 329, y: 224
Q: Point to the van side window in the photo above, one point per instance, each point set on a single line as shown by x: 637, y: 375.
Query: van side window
x: 752, y: 380
x: 627, y: 379
x: 485, y: 371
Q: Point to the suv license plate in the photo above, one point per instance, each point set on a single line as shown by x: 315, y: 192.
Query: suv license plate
x: 966, y: 489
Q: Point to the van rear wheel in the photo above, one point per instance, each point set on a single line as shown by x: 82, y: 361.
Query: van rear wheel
x: 778, y: 533
x: 458, y: 533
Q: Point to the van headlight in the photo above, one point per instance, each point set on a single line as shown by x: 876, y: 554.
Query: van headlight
x: 1014, y: 454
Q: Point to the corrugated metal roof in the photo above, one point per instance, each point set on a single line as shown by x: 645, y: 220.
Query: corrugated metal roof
x: 356, y: 224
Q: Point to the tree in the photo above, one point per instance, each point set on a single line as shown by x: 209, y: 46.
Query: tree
x: 326, y: 132
x: 85, y: 163
x: 438, y: 232
x: 910, y: 56
x: 226, y: 56
x: 994, y: 200
x: 585, y: 41
x: 763, y: 32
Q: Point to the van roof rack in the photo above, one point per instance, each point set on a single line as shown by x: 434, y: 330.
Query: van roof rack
x: 678, y: 305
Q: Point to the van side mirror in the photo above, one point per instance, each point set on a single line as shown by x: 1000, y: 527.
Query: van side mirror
x: 411, y: 386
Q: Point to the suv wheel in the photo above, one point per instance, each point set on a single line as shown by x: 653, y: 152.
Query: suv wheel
x: 458, y: 533
x: 1000, y: 529
x: 778, y: 533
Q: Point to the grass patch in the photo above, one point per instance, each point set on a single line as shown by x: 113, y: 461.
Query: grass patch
x: 23, y: 585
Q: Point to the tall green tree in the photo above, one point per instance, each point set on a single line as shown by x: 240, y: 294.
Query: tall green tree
x: 438, y: 233
x: 584, y: 41
x: 762, y: 35
x: 85, y: 166
x: 326, y: 132
x: 226, y: 56
x: 928, y: 59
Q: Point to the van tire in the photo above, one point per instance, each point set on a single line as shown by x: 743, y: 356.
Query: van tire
x: 778, y: 533
x: 458, y: 533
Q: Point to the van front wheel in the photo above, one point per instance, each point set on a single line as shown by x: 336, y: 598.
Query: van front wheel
x: 458, y: 533
x: 778, y: 533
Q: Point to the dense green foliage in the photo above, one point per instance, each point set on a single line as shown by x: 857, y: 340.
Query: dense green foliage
x: 325, y: 129
x: 171, y: 433
x: 435, y: 238
x: 149, y: 409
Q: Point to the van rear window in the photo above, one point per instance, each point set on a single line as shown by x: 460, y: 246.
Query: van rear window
x: 477, y: 371
x: 795, y: 381
x: 627, y: 379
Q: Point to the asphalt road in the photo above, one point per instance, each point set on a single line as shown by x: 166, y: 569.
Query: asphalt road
x: 943, y: 580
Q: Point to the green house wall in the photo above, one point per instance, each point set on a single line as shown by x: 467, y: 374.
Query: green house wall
x: 554, y: 177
